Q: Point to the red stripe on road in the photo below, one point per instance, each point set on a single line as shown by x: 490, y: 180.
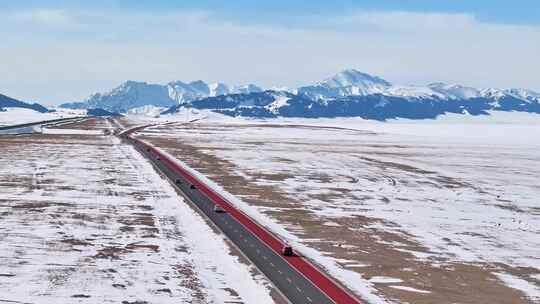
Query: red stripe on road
x: 311, y: 272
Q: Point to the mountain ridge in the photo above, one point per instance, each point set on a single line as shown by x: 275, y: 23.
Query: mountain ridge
x: 348, y: 93
x: 8, y: 102
x: 134, y: 94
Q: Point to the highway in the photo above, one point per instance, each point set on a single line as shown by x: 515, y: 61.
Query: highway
x: 44, y: 122
x: 295, y: 277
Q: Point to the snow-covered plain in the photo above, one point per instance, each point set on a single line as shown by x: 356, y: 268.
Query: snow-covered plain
x: 84, y: 218
x: 465, y: 190
x: 15, y: 116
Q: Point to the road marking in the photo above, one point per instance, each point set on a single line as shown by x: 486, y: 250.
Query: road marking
x: 309, y: 299
x: 299, y: 290
x: 272, y: 264
x: 264, y: 257
x: 289, y: 279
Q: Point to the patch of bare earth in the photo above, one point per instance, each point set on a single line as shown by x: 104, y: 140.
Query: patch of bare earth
x: 373, y: 252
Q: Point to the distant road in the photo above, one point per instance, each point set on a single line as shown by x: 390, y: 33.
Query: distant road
x: 28, y: 127
x: 296, y: 278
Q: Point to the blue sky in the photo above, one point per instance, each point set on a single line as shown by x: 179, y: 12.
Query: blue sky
x: 65, y: 50
x: 502, y: 11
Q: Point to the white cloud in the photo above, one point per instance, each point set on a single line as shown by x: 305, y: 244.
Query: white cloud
x: 93, y: 51
x: 408, y: 22
x: 44, y: 16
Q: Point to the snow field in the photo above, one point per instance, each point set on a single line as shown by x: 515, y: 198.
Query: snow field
x: 86, y: 218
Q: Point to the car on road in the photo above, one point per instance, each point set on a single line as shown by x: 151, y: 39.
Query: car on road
x: 178, y: 181
x: 287, y: 250
x: 192, y: 187
x: 218, y: 209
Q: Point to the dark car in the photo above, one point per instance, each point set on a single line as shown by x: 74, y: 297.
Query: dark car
x: 287, y: 250
x: 178, y: 181
x: 218, y: 209
x: 192, y: 187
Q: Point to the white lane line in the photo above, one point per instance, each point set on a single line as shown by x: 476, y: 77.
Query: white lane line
x: 289, y: 279
x: 299, y: 290
x: 309, y: 299
x: 272, y: 264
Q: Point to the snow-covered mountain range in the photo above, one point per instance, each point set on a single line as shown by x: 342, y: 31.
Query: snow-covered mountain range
x: 132, y: 95
x: 348, y: 93
x: 8, y: 102
x: 355, y: 83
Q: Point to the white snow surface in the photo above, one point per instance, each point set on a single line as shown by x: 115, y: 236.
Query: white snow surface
x: 15, y: 116
x: 60, y: 131
x: 470, y: 196
x: 87, y: 190
x: 147, y: 110
x: 411, y: 289
x: 280, y: 101
x: 385, y: 280
x: 530, y: 290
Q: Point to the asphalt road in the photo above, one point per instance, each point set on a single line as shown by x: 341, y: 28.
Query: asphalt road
x: 44, y: 122
x: 292, y: 284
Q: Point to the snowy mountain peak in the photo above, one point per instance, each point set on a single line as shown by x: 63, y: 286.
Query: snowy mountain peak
x: 200, y: 86
x: 352, y: 77
x: 248, y: 88
x: 130, y: 84
x: 132, y: 88
x: 492, y: 93
x: 523, y: 94
x: 280, y: 100
x: 135, y: 94
x: 218, y: 88
x: 454, y: 91
x: 346, y: 83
